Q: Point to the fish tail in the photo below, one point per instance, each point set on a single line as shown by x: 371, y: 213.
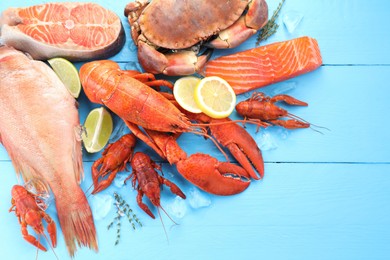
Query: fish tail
x: 76, y: 221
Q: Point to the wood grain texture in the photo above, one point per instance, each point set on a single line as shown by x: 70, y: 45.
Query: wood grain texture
x: 324, y: 196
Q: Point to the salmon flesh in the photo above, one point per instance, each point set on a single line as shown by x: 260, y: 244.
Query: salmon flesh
x: 265, y: 65
x: 38, y: 128
x: 75, y: 31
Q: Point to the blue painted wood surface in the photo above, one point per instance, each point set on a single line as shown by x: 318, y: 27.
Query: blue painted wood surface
x: 324, y: 196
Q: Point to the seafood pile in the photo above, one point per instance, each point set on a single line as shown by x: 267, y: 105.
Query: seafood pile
x: 41, y: 135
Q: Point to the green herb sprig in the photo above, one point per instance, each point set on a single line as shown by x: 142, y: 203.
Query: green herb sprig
x: 123, y: 209
x: 271, y: 26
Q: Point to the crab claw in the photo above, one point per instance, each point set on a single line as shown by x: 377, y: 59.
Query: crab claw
x: 212, y: 176
x: 183, y: 62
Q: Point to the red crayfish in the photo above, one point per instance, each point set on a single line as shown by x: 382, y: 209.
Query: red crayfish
x: 149, y: 182
x: 263, y: 108
x: 114, y: 159
x: 24, y: 204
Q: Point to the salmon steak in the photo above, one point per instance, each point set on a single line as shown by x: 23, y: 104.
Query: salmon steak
x: 75, y: 31
x: 40, y: 129
x: 265, y: 65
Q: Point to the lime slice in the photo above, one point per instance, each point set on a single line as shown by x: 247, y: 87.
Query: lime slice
x: 98, y: 128
x: 68, y: 74
x: 183, y: 91
x: 215, y: 97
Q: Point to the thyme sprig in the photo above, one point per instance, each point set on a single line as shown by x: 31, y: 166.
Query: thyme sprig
x: 123, y: 209
x: 271, y: 26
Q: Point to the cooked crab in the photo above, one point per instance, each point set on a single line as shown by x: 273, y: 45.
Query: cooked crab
x: 167, y: 31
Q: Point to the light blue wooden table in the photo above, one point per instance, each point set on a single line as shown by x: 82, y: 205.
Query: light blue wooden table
x: 324, y: 196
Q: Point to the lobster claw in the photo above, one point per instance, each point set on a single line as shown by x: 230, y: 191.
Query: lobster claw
x: 241, y: 145
x: 212, y: 176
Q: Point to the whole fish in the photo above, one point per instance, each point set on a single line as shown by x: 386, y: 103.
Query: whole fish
x: 75, y: 31
x: 38, y: 128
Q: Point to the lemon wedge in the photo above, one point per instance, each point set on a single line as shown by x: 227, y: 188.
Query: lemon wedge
x: 215, y: 97
x: 98, y: 128
x: 184, y: 90
x: 68, y: 74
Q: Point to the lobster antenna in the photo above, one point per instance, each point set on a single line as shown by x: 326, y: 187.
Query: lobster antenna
x: 204, y: 134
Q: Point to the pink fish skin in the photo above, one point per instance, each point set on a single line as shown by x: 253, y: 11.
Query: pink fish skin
x: 38, y: 123
x: 265, y: 65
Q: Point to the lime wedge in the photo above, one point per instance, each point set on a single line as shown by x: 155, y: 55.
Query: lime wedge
x: 68, y: 74
x: 98, y: 128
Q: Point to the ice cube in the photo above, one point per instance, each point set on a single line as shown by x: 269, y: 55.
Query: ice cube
x: 198, y: 199
x: 101, y: 204
x: 42, y: 190
x: 283, y: 87
x: 133, y: 65
x: 266, y: 141
x: 177, y: 207
x: 291, y: 20
x: 283, y: 133
x: 119, y: 180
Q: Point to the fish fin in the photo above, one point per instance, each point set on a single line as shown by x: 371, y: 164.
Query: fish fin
x: 77, y: 157
x: 76, y: 220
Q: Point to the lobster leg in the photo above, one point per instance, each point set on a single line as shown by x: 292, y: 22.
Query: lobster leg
x: 142, y: 205
x: 31, y: 239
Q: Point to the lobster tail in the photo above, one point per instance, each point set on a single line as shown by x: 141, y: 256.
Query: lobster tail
x: 76, y: 221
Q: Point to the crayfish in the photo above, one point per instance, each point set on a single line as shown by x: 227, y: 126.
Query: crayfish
x: 263, y: 108
x: 149, y: 182
x: 24, y: 204
x: 114, y: 159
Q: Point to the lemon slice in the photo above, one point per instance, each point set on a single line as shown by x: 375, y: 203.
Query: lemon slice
x: 98, y: 128
x: 68, y: 74
x: 215, y: 97
x: 184, y: 90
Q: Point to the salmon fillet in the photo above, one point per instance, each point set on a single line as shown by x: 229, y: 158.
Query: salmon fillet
x: 75, y: 31
x: 265, y: 65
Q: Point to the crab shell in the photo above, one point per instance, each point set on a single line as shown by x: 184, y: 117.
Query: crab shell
x: 174, y: 24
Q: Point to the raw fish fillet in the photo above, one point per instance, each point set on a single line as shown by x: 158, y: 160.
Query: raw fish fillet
x: 267, y: 64
x: 39, y: 125
x: 76, y: 31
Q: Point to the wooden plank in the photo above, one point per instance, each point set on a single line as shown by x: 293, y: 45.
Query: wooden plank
x: 299, y: 211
